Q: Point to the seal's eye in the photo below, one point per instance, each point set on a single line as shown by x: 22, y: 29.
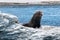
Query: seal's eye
x: 16, y: 21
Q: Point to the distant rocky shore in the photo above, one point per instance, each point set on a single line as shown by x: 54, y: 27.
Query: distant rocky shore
x: 31, y: 3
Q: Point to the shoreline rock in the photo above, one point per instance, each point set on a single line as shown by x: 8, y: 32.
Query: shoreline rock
x: 15, y: 31
x: 30, y: 3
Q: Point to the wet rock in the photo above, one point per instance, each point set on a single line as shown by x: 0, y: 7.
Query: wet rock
x: 11, y: 30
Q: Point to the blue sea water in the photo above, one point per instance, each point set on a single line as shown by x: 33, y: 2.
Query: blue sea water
x: 51, y: 14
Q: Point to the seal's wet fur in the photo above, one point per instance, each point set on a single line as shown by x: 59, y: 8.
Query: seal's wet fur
x: 35, y: 21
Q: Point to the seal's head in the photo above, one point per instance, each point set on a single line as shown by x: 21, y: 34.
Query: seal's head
x: 38, y: 13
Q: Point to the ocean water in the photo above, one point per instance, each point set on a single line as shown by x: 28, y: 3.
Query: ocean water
x: 51, y: 14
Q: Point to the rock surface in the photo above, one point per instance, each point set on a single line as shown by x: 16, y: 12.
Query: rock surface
x: 9, y: 30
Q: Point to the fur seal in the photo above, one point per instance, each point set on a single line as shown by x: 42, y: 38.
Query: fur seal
x: 35, y: 21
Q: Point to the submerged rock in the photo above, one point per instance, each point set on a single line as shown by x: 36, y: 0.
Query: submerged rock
x: 10, y: 30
